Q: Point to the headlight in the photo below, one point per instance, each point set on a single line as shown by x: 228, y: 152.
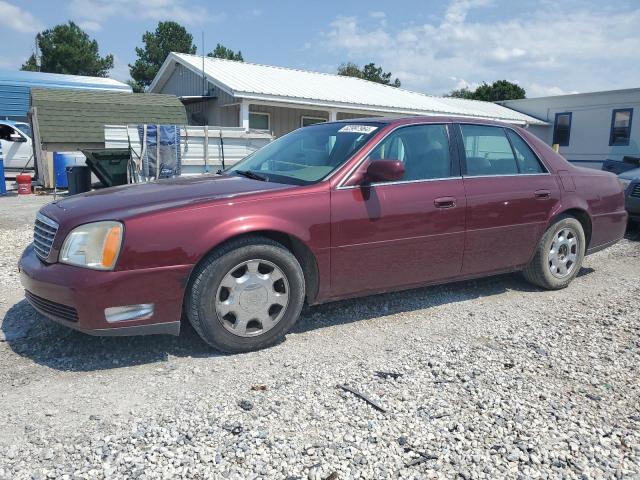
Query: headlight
x: 625, y: 182
x: 93, y: 245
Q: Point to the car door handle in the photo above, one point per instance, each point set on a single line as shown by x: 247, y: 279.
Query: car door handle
x: 445, y: 202
x: 542, y: 194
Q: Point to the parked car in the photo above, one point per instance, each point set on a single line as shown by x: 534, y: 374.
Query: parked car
x: 327, y: 212
x: 631, y: 184
x: 621, y: 166
x: 17, y: 146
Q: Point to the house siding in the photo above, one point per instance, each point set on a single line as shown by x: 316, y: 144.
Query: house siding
x: 284, y: 120
x: 219, y: 111
x: 590, y: 123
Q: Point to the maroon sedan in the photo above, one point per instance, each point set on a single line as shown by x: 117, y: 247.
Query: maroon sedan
x: 330, y: 211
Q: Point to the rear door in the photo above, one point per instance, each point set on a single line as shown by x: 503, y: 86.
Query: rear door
x: 510, y: 195
x: 389, y: 235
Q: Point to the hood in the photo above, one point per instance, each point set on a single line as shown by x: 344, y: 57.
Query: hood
x: 127, y: 201
x: 630, y: 174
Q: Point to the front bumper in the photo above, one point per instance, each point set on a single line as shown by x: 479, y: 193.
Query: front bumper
x: 77, y: 297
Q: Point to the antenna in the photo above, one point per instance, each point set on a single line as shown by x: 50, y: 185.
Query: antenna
x: 204, y: 80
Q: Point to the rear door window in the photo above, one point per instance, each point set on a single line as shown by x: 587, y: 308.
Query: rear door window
x: 527, y: 160
x: 488, y: 151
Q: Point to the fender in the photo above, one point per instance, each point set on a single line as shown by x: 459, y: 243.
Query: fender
x: 568, y: 202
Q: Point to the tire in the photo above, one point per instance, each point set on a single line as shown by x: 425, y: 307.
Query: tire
x: 546, y: 268
x: 246, y: 295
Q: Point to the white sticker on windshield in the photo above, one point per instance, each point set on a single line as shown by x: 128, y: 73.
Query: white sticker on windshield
x: 358, y: 129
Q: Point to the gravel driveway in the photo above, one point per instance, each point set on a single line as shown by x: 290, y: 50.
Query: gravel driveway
x: 482, y: 379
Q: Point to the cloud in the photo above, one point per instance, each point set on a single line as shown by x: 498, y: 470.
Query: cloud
x: 90, y: 26
x: 564, y: 52
x: 17, y: 19
x: 181, y: 11
x: 346, y: 34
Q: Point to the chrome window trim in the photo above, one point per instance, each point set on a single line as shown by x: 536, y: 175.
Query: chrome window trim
x: 341, y: 185
x: 399, y: 182
x: 509, y: 175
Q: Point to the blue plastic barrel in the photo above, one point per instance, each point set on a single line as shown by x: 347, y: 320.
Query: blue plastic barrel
x: 62, y: 160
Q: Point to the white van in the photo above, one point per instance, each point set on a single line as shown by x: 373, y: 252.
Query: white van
x: 17, y: 146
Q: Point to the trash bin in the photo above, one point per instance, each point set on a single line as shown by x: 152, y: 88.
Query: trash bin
x: 62, y: 161
x: 79, y: 179
x: 109, y: 164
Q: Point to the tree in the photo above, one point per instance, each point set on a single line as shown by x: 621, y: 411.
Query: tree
x: 66, y: 48
x: 168, y: 37
x: 368, y: 72
x: 223, y: 52
x: 498, y: 90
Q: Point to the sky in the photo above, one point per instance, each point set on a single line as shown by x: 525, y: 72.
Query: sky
x: 547, y: 47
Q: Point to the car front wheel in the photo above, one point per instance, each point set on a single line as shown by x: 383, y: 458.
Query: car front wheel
x: 246, y: 295
x: 558, y: 257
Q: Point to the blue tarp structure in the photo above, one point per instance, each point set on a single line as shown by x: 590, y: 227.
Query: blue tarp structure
x: 15, y: 88
x: 169, y: 151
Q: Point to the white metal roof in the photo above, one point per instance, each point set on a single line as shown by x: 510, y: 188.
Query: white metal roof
x: 277, y: 84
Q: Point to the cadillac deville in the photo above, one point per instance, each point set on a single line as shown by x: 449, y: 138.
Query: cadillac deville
x: 327, y: 212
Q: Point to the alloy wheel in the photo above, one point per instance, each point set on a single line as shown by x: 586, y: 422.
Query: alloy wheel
x: 252, y: 298
x: 563, y: 253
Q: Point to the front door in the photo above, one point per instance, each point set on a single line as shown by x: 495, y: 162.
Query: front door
x: 509, y: 199
x: 389, y: 235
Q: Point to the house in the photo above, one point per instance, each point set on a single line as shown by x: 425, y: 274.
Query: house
x: 588, y: 127
x: 237, y: 94
x: 15, y: 89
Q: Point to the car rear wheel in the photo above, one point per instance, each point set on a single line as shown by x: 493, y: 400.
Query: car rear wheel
x: 246, y: 295
x: 559, y: 255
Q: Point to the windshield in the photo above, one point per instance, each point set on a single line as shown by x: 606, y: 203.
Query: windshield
x: 308, y: 154
x: 24, y: 128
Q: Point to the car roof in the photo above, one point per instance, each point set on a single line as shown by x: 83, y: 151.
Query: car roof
x: 400, y: 120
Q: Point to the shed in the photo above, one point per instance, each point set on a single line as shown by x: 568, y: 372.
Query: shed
x: 70, y: 120
x: 253, y: 96
x: 75, y: 119
x: 15, y: 89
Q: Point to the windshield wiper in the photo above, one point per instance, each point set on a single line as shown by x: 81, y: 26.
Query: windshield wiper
x: 252, y: 175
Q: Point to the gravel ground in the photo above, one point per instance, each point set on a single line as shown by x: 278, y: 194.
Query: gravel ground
x: 483, y: 379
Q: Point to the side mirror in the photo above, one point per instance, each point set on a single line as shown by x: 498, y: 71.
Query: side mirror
x: 17, y: 138
x: 384, y: 171
x: 376, y: 171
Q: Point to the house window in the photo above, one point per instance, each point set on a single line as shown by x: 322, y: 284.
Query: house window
x: 620, y: 126
x: 259, y: 121
x: 306, y: 121
x: 562, y: 129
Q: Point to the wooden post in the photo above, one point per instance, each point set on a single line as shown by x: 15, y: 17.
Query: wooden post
x: 206, y: 149
x: 40, y: 160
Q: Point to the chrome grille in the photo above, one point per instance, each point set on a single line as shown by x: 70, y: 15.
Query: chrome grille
x: 44, y: 232
x: 636, y: 191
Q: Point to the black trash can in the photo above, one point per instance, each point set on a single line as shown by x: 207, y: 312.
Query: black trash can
x: 79, y: 178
